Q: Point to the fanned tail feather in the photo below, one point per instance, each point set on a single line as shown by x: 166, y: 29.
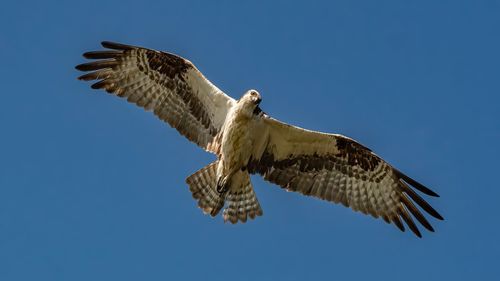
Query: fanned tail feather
x: 203, y: 186
x: 242, y: 202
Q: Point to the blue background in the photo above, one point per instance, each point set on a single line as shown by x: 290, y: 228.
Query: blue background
x: 92, y: 188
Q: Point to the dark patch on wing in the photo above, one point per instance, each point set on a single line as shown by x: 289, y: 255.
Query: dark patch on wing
x: 261, y: 165
x: 185, y: 92
x: 175, y: 67
x: 303, y: 163
x: 196, y: 107
x: 172, y: 71
x: 357, y: 154
x: 311, y: 163
x: 167, y: 64
x: 332, y: 177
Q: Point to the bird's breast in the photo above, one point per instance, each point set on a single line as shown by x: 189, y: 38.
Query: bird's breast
x: 236, y: 143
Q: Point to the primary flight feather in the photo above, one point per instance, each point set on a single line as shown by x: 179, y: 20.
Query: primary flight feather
x: 247, y: 141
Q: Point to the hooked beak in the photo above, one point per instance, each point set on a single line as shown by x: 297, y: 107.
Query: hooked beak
x: 258, y: 100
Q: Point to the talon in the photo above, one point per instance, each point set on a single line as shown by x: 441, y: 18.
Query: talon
x: 222, y: 185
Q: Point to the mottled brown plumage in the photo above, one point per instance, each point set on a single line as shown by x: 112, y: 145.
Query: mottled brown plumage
x: 247, y: 141
x: 167, y: 84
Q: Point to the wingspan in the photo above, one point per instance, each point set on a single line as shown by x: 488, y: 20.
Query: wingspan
x: 170, y: 86
x: 338, y: 169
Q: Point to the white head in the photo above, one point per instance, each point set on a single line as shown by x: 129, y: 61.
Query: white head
x: 250, y: 101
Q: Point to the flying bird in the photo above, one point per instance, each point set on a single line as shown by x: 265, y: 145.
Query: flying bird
x: 247, y: 141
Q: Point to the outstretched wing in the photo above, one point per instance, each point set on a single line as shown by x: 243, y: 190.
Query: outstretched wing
x: 164, y: 83
x: 338, y: 169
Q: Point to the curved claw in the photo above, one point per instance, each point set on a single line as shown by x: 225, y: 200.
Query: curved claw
x: 222, y: 185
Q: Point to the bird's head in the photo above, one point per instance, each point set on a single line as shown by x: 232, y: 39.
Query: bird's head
x: 250, y: 101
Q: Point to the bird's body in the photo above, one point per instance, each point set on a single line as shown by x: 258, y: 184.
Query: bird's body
x: 247, y: 141
x: 237, y: 141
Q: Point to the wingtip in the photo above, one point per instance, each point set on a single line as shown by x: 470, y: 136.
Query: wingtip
x: 430, y: 228
x: 80, y: 67
x: 422, y: 188
x: 106, y: 43
x: 88, y: 55
x: 432, y: 193
x: 434, y: 213
x: 416, y: 231
x: 438, y: 216
x: 116, y: 46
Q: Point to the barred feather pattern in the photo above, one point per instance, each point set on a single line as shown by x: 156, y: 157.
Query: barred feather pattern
x: 345, y: 185
x: 242, y: 202
x: 203, y: 187
x: 338, y: 169
x: 164, y: 83
x: 327, y: 166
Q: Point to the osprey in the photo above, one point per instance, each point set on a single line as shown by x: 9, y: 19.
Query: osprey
x: 247, y: 141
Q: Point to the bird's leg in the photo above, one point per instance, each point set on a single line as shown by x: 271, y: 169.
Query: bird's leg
x: 224, y: 181
x: 222, y: 184
x: 222, y: 177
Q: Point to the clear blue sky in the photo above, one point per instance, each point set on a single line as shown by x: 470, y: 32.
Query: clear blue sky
x: 92, y: 188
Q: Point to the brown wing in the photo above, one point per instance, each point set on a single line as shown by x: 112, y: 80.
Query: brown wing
x: 338, y: 169
x: 164, y: 83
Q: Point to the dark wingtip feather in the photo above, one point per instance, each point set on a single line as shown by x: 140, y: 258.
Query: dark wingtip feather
x: 416, y: 184
x: 415, y: 212
x: 386, y: 219
x: 84, y: 77
x: 409, y: 221
x: 95, y: 65
x: 102, y: 54
x: 99, y: 85
x: 397, y: 222
x: 116, y: 46
x: 420, y: 187
x: 420, y: 201
x: 436, y: 215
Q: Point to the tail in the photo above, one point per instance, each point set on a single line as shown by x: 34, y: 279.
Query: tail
x: 242, y: 202
x: 203, y: 186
